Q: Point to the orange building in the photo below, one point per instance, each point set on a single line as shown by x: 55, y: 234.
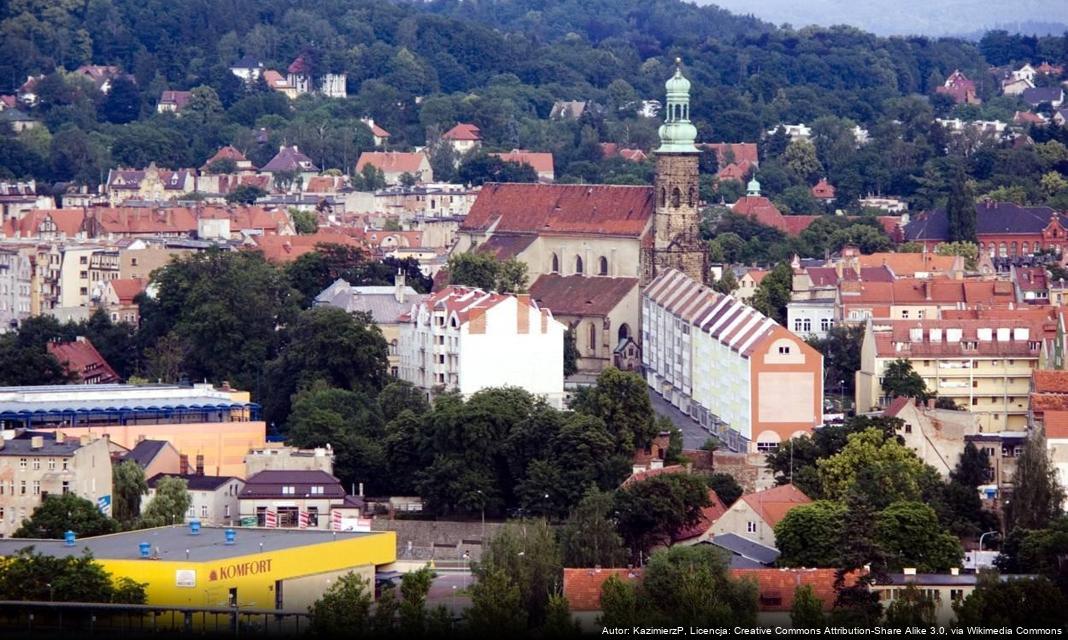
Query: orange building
x: 212, y: 429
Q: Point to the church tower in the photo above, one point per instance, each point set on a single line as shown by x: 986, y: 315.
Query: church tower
x: 676, y: 239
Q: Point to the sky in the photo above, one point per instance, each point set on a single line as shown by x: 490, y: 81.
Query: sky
x: 904, y: 17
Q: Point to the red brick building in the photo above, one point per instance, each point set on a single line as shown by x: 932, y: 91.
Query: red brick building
x: 1004, y: 229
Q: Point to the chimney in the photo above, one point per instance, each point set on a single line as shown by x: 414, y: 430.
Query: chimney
x: 37, y: 442
x: 909, y: 571
x: 954, y: 571
x: 399, y: 286
x: 60, y: 437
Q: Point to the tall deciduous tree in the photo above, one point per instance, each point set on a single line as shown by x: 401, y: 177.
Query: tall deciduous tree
x: 773, y: 293
x: 344, y: 609
x: 170, y: 503
x: 960, y: 208
x: 57, y: 514
x: 527, y: 554
x: 901, y: 381
x: 807, y: 610
x: 911, y: 536
x: 873, y: 464
x: 810, y: 535
x: 1037, y: 496
x: 691, y: 585
x: 128, y: 485
x: 496, y: 607
x: 589, y: 538
x: 652, y: 511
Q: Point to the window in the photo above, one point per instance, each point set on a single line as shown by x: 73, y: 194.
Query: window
x: 36, y: 464
x: 22, y: 463
x: 556, y: 264
x: 192, y: 512
x: 51, y: 464
x: 22, y: 487
x: 602, y: 266
x: 200, y: 464
x: 83, y: 260
x: 750, y: 527
x: 904, y: 314
x: 36, y: 487
x: 764, y: 447
x: 203, y: 511
x: 226, y: 511
x: 826, y: 324
x: 797, y: 325
x: 317, y: 490
x: 593, y: 338
x: 289, y: 490
x: 578, y: 265
x: 663, y: 196
x: 808, y: 325
x: 784, y: 350
x: 908, y: 428
x: 66, y: 487
x: 676, y: 198
x: 690, y: 198
x: 65, y: 461
x: 958, y: 594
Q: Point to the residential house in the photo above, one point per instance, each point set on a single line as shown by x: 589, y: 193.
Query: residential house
x: 16, y: 287
x: 467, y: 339
x: 724, y: 363
x: 140, y: 222
x: 8, y: 102
x: 20, y: 198
x: 290, y: 499
x: 983, y: 365
x: 463, y: 138
x: 1053, y: 96
x: 248, y: 68
x: 395, y: 164
x: 241, y: 163
x: 613, y: 150
x: 760, y: 209
x: 173, y: 101
x: 385, y: 305
x: 960, y: 88
x: 140, y: 258
x: 81, y: 359
x: 567, y: 110
x: 823, y: 191
x: 214, y: 500
x: 27, y: 91
x: 17, y: 120
x: 734, y: 161
x: 944, y: 590
x: 300, y: 78
x: 120, y: 300
x: 1026, y: 118
x: 1015, y: 86
x: 100, y: 75
x: 748, y: 283
x: 542, y: 163
x: 1055, y: 429
x: 151, y: 184
x: 793, y: 131
x: 936, y: 435
x: 889, y: 205
x: 277, y: 82
x: 926, y: 264
x: 1004, y: 229
x: 279, y: 457
x: 1060, y: 117
x: 587, y: 305
x: 754, y: 515
x: 745, y: 553
x: 35, y: 465
x: 379, y: 135
x: 1049, y: 69
x: 426, y: 201
x: 290, y: 161
x: 285, y: 249
x: 155, y: 457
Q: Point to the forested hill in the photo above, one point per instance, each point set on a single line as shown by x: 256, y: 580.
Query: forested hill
x: 422, y: 66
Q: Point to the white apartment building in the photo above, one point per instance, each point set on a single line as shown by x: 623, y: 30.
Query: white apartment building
x: 16, y: 274
x: 467, y: 339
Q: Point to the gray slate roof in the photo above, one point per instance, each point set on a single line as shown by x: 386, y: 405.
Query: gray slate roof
x: 22, y: 445
x: 194, y: 481
x: 755, y: 553
x: 990, y: 218
x: 145, y: 452
x: 381, y: 302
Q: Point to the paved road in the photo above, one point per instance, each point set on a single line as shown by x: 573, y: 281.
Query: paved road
x: 693, y: 434
x: 450, y: 589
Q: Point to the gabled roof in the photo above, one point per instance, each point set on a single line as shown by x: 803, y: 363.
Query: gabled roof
x: 139, y: 220
x: 282, y: 249
x: 561, y: 209
x: 907, y: 265
x: 299, y: 65
x: 127, y: 289
x: 289, y: 158
x: 274, y: 79
x: 228, y: 152
x: 772, y: 505
x: 733, y: 152
x: 178, y: 98
x: 195, y: 482
x: 466, y: 301
x: 392, y: 162
x: 145, y: 451
x: 823, y: 190
x: 894, y: 338
x: 578, y: 295
x: 540, y: 162
x: 760, y: 209
x: 1050, y: 381
x: 326, y: 184
x: 463, y: 131
x: 582, y: 587
x: 714, y: 511
x: 505, y: 246
x: 67, y: 221
x: 1038, y: 95
x: 268, y: 484
x: 80, y: 357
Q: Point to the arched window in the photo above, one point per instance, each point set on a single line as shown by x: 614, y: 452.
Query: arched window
x: 1003, y: 250
x: 556, y: 264
x: 691, y: 197
x: 1012, y: 249
x: 578, y: 264
x: 1025, y: 249
x: 663, y: 196
x: 602, y: 266
x: 593, y: 338
x: 624, y: 332
x: 676, y: 197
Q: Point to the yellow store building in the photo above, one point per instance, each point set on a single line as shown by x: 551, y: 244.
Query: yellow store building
x: 281, y: 570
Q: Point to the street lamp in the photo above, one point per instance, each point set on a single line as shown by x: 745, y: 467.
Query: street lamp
x: 983, y: 536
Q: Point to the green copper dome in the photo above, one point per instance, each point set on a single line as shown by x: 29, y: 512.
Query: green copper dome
x: 677, y: 134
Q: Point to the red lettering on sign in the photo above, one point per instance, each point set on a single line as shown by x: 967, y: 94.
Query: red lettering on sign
x: 240, y: 569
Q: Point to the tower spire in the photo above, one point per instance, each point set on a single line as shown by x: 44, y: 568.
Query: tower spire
x: 677, y: 134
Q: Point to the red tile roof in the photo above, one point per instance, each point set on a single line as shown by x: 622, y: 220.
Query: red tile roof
x: 580, y: 295
x: 126, y: 289
x: 714, y: 511
x: 760, y: 209
x: 299, y: 66
x: 734, y: 171
x: 777, y: 586
x: 930, y: 290
x: 582, y: 587
x: 907, y: 265
x: 612, y: 150
x: 733, y: 152
x: 392, y: 161
x: 1049, y: 381
x: 326, y: 184
x: 282, y: 249
x: 273, y: 78
x: 178, y: 98
x: 68, y: 222
x: 378, y: 131
x: 540, y: 162
x: 571, y: 209
x: 772, y: 505
x: 81, y: 358
x: 143, y: 221
x: 823, y: 190
x: 463, y: 131
x: 467, y: 301
x: 892, y: 333
x: 1055, y: 424
x: 227, y: 153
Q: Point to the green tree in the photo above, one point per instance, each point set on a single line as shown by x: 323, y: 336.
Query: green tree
x: 910, y: 608
x: 621, y: 400
x: 911, y: 536
x: 807, y: 610
x: 496, y: 607
x: 726, y: 487
x: 526, y: 552
x: 128, y: 485
x: 728, y: 284
x: 967, y: 250
x: 558, y: 620
x: 486, y: 272
x: 841, y: 355
x: 1032, y: 603
x: 222, y: 166
x: 901, y: 381
x: 1037, y: 495
x: 245, y: 194
x: 960, y: 209
x: 415, y: 585
x: 123, y: 102
x: 344, y: 610
x: 305, y: 222
x: 964, y: 510
x: 370, y: 178
x: 651, y: 512
x: 620, y: 606
x: 129, y: 591
x: 170, y: 503
x: 571, y: 353
x: 800, y: 158
x: 871, y: 463
x: 691, y: 586
x: 589, y: 537
x: 480, y: 168
x: 773, y: 293
x: 204, y: 105
x: 57, y: 514
x: 810, y: 534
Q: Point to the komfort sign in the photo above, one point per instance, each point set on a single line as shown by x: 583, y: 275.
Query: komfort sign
x: 240, y: 570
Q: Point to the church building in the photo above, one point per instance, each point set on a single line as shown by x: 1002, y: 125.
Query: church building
x: 589, y: 249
